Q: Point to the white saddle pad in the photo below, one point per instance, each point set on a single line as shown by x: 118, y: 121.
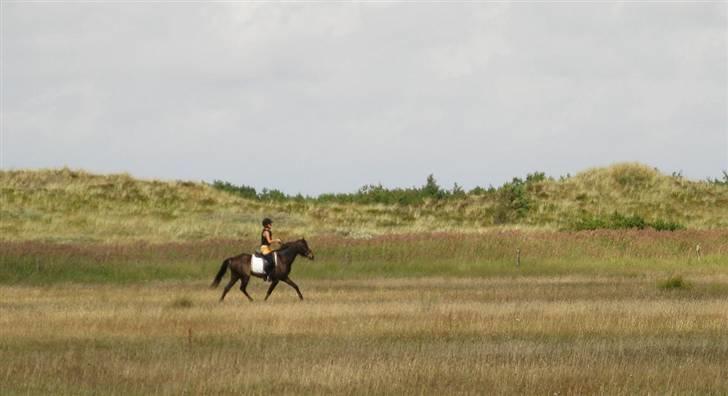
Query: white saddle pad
x: 256, y: 264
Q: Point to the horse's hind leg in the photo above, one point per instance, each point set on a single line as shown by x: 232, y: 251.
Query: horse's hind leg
x: 243, y: 286
x: 233, y: 279
x: 294, y: 286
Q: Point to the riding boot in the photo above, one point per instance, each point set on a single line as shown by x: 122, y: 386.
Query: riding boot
x: 268, y: 268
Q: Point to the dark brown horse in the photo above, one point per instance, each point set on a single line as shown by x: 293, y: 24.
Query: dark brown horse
x: 240, y: 268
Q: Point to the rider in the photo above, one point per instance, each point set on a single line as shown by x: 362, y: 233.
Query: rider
x: 266, y: 239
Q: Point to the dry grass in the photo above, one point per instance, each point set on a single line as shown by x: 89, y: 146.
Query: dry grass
x: 539, y: 335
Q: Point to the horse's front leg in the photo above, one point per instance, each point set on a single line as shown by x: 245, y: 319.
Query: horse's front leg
x: 294, y: 286
x: 270, y: 289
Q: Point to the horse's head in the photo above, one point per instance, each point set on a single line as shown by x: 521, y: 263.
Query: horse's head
x: 305, y: 250
x: 299, y: 247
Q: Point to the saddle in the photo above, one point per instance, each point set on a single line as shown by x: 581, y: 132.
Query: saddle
x: 257, y: 262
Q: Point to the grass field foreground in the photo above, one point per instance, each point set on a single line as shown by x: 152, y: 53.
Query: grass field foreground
x: 542, y: 335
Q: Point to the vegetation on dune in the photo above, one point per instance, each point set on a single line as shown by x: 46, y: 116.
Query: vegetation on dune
x: 67, y: 205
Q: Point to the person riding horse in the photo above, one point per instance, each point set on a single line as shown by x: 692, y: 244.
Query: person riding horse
x: 241, y: 268
x: 266, y: 240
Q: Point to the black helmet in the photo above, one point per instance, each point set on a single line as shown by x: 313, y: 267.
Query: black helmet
x: 267, y: 221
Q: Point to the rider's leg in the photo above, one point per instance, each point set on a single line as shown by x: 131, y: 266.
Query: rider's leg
x: 269, y: 265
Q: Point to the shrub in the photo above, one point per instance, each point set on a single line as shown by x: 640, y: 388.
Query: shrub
x: 251, y: 193
x: 272, y: 195
x: 590, y: 223
x: 664, y: 225
x: 616, y: 221
x: 482, y: 191
x: 457, y: 191
x: 512, y: 202
x: 243, y: 191
x: 535, y: 177
x: 432, y: 189
x: 378, y: 194
x: 619, y: 221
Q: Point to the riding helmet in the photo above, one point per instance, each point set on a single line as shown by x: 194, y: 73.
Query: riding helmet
x: 267, y: 221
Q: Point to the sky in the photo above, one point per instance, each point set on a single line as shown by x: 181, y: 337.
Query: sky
x: 318, y: 97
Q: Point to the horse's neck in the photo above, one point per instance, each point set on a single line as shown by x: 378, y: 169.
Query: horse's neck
x: 288, y: 255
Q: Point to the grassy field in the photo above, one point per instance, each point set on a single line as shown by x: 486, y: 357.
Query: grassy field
x: 608, y: 312
x: 104, y: 289
x: 497, y: 335
x: 485, y: 254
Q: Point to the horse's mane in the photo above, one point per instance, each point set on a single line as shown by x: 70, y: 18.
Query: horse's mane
x: 288, y: 244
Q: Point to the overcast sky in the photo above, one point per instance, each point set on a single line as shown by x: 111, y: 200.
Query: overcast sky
x: 315, y: 98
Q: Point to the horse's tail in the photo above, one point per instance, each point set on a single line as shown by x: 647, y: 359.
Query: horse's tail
x: 220, y: 274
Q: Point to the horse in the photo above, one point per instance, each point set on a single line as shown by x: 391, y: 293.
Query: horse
x: 240, y: 268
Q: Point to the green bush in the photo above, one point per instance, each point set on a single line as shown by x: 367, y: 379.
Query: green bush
x: 378, y: 194
x: 243, y: 191
x: 273, y: 195
x: 619, y: 221
x: 590, y: 223
x: 664, y: 225
x: 512, y: 202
